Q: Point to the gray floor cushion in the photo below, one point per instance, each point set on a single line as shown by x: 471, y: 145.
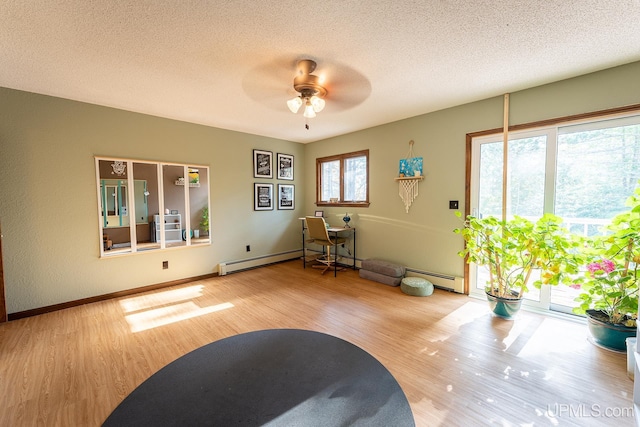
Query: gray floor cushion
x: 381, y: 278
x: 383, y: 267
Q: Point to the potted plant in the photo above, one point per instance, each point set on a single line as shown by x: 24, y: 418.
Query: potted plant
x: 204, y: 222
x: 610, y: 281
x: 512, y: 250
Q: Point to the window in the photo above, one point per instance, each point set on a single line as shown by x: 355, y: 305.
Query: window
x: 145, y: 206
x: 582, y: 172
x: 343, y: 180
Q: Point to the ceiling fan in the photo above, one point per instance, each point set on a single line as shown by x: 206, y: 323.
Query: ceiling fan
x: 311, y: 91
x: 341, y: 86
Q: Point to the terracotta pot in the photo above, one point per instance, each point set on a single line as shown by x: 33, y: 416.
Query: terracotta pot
x: 607, y: 335
x: 505, y: 308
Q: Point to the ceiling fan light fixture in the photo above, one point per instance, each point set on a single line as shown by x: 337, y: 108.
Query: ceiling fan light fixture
x: 310, y: 90
x: 309, y: 112
x: 294, y: 104
x: 317, y: 103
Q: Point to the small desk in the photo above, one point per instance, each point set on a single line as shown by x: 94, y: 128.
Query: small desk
x: 333, y: 232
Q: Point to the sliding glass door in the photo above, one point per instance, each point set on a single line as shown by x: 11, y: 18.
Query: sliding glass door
x: 582, y: 172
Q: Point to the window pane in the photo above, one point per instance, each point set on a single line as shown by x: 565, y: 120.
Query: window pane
x: 490, y: 180
x: 525, y: 189
x: 330, y: 180
x: 525, y: 192
x: 597, y: 169
x: 355, y: 179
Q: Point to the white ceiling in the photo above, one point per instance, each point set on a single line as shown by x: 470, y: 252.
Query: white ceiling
x: 231, y: 63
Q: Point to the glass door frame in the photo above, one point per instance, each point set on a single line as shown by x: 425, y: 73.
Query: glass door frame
x: 552, y: 129
x: 474, y: 181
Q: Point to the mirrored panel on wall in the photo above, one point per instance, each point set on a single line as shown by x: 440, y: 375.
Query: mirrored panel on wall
x: 113, y: 183
x: 146, y: 206
x: 174, y: 205
x: 147, y: 200
x: 199, y: 204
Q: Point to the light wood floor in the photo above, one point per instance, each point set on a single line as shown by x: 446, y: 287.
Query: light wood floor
x: 457, y: 365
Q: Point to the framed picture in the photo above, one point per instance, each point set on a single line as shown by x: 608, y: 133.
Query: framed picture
x: 262, y: 197
x: 285, y: 166
x: 286, y: 196
x: 262, y: 164
x: 319, y: 214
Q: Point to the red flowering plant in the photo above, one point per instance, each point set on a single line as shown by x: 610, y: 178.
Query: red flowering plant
x: 610, y: 281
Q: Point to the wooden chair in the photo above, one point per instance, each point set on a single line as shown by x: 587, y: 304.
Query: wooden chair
x: 318, y: 233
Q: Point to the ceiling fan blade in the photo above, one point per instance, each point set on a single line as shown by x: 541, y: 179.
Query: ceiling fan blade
x: 271, y: 83
x: 346, y: 87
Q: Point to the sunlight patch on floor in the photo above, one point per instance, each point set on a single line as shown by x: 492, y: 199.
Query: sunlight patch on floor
x: 555, y: 336
x: 453, y: 321
x: 517, y: 328
x: 163, y: 316
x: 144, y: 302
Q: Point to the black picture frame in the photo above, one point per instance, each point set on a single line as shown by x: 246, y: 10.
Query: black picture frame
x: 286, y: 196
x: 262, y: 164
x: 319, y: 214
x: 262, y: 196
x: 285, y: 166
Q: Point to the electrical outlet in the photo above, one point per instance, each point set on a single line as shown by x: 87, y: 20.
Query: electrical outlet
x: 165, y: 265
x: 453, y: 204
x: 248, y: 248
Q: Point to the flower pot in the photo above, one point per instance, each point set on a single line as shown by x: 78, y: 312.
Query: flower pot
x: 505, y: 308
x: 607, y: 335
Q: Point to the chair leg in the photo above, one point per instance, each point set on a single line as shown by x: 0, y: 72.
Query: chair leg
x: 329, y: 263
x: 324, y: 260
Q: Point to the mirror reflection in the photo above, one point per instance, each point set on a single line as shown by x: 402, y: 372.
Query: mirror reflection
x: 176, y: 216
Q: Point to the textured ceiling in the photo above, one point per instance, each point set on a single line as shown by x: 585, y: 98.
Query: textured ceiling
x: 230, y: 64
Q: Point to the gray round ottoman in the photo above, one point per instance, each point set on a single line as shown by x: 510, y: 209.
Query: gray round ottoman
x: 416, y: 286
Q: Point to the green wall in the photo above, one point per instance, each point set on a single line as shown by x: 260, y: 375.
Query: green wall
x: 422, y: 239
x: 48, y: 207
x: 48, y: 201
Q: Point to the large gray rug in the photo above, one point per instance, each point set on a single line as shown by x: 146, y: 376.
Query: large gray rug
x: 277, y: 377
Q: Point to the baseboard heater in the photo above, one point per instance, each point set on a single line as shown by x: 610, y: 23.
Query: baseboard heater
x: 441, y: 281
x: 248, y: 263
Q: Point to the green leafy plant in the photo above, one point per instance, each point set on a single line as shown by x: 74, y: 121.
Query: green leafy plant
x: 204, y: 222
x: 512, y: 249
x: 610, y: 281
